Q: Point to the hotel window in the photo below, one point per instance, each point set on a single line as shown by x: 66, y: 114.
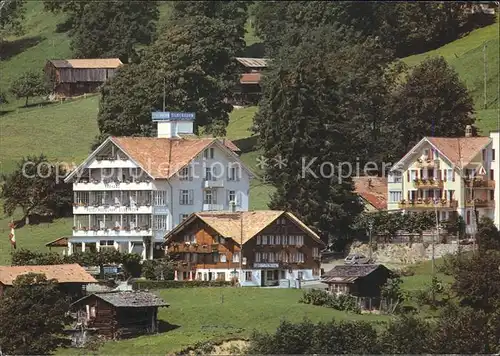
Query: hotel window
x: 183, y: 217
x: 270, y: 275
x: 233, y: 173
x: 315, y: 252
x: 284, y: 239
x: 236, y: 257
x: 208, y: 153
x: 184, y: 174
x: 395, y: 177
x: 395, y: 196
x: 300, y: 275
x: 209, y: 197
x: 160, y: 222
x: 259, y: 240
x: 449, y: 175
x: 258, y: 257
x: 300, y: 240
x: 291, y: 240
x: 208, y: 173
x: 248, y: 276
x: 223, y: 258
x: 186, y: 197
x: 265, y: 256
x: 413, y: 174
x: 108, y: 244
x: 277, y: 239
x: 264, y: 239
x: 231, y: 196
x: 271, y: 239
x: 160, y: 198
x: 272, y: 257
x: 492, y: 154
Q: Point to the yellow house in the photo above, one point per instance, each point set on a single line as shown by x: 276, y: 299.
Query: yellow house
x: 449, y: 175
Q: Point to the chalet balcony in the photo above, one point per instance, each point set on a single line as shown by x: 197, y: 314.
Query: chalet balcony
x: 209, y: 184
x: 428, y: 204
x: 427, y: 163
x: 428, y: 183
x: 112, y: 162
x: 112, y: 209
x: 479, y: 183
x: 192, y: 248
x: 86, y: 185
x: 480, y: 203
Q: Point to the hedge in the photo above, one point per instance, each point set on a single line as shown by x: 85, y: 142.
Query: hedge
x: 149, y: 284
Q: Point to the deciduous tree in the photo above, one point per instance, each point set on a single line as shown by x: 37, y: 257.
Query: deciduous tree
x: 37, y: 187
x: 11, y: 17
x: 33, y: 316
x: 28, y: 85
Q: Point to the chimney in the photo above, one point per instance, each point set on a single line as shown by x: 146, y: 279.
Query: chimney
x: 468, y: 131
x: 173, y: 124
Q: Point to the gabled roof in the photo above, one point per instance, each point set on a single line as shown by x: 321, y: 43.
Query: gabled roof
x: 69, y: 273
x: 162, y: 158
x: 373, y: 190
x: 253, y: 62
x: 250, y: 78
x: 459, y: 151
x: 241, y: 226
x: 350, y: 273
x: 60, y: 242
x: 90, y: 63
x: 128, y: 299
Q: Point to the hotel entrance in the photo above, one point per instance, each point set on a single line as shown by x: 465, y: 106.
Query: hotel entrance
x: 270, y: 277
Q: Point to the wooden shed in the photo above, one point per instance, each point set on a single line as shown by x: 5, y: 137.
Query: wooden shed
x: 73, y: 77
x: 118, y: 315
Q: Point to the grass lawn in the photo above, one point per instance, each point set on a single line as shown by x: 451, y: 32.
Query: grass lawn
x: 423, y: 276
x: 203, y: 314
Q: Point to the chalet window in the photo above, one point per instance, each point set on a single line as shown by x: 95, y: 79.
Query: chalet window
x: 277, y: 239
x: 270, y: 275
x: 187, y: 257
x: 221, y: 276
x: 194, y: 257
x: 185, y: 276
x: 272, y: 257
x: 183, y: 217
x: 315, y: 271
x: 315, y: 252
x: 492, y: 154
x: 285, y: 240
x: 271, y: 239
x: 93, y: 313
x: 291, y: 240
x: 236, y: 257
x: 259, y: 240
x: 248, y: 276
x: 223, y: 258
x: 299, y: 240
x: 286, y: 257
x: 300, y: 275
x: 265, y: 257
x: 258, y: 257
x: 190, y: 238
x: 186, y: 197
x: 208, y: 153
x: 199, y: 276
x: 264, y: 239
x: 215, y: 257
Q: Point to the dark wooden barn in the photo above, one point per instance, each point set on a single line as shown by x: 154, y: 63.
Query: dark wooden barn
x: 118, y: 315
x: 248, y: 91
x: 73, y: 77
x: 357, y: 280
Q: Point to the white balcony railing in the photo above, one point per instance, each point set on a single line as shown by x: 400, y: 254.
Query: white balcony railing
x: 100, y: 185
x: 112, y: 209
x: 213, y: 184
x: 213, y: 207
x: 110, y: 233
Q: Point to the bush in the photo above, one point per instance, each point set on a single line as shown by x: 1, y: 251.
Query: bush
x: 158, y: 268
x: 149, y: 284
x: 322, y: 298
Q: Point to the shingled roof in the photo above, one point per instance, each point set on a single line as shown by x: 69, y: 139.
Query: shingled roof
x: 68, y: 273
x: 373, y: 190
x: 129, y: 299
x: 90, y: 63
x: 241, y: 226
x: 350, y: 273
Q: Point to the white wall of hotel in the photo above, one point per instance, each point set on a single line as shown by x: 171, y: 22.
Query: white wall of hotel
x: 401, y: 184
x: 256, y: 274
x: 158, y: 203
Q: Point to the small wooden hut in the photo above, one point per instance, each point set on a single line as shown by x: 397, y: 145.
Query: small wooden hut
x: 118, y: 315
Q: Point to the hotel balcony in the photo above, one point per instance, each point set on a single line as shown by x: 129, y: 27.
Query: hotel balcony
x: 479, y: 183
x: 208, y: 184
x: 213, y: 207
x: 113, y: 209
x: 111, y: 232
x: 480, y: 203
x: 428, y: 204
x: 428, y: 183
x: 84, y: 185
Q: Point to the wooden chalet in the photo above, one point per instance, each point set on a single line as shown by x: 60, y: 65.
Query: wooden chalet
x: 248, y: 91
x: 72, y: 278
x: 254, y: 248
x: 116, y: 315
x: 73, y: 77
x: 357, y: 280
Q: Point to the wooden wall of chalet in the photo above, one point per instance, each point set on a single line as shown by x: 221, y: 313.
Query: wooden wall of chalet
x: 206, y: 239
x: 288, y: 229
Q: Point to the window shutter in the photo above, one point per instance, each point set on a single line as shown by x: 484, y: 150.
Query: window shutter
x: 408, y: 175
x: 191, y: 198
x: 238, y: 198
x: 214, y: 196
x: 445, y: 175
x: 439, y: 174
x: 453, y: 176
x: 190, y: 172
x: 180, y: 197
